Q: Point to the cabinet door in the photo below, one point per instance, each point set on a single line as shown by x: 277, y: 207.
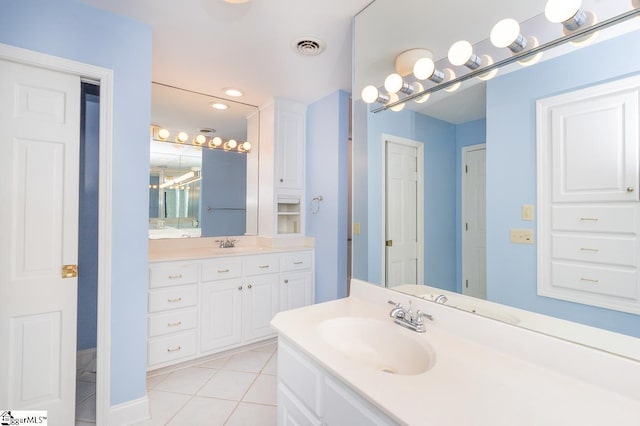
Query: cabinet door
x: 292, y: 412
x: 259, y: 305
x: 296, y: 290
x: 591, y: 137
x: 289, y: 135
x: 221, y: 304
x: 343, y: 407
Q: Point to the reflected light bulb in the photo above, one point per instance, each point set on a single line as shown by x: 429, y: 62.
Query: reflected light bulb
x: 199, y: 140
x: 246, y: 146
x: 232, y: 144
x: 421, y: 99
x: 393, y: 83
x: 182, y: 137
x: 215, y: 142
x: 393, y: 97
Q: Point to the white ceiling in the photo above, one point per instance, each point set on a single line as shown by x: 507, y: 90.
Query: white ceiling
x: 206, y: 45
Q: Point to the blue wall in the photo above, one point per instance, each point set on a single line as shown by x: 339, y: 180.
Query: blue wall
x: 439, y: 140
x: 223, y: 185
x: 511, y: 136
x: 326, y: 175
x: 73, y: 30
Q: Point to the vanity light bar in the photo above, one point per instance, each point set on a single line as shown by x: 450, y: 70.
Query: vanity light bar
x: 520, y: 56
x: 164, y: 135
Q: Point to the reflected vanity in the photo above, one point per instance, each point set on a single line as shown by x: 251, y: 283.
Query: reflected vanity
x: 501, y: 115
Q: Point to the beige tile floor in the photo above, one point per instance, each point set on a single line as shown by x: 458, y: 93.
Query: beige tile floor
x: 237, y: 389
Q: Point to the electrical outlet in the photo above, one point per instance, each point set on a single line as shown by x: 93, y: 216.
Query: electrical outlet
x: 527, y: 212
x: 522, y: 236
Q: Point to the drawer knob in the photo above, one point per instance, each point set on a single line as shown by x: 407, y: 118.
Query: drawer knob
x: 630, y: 189
x: 174, y: 349
x: 175, y: 277
x: 250, y: 286
x: 174, y: 300
x: 174, y: 324
x: 239, y: 287
x: 286, y: 281
x: 590, y: 280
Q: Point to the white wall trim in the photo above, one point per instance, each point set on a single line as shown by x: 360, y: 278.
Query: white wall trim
x: 420, y: 203
x: 105, y: 78
x: 130, y: 412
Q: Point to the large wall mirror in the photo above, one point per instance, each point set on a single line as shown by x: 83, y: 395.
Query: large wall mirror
x: 204, y: 160
x: 486, y: 124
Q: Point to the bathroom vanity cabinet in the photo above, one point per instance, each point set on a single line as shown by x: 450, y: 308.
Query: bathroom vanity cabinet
x: 200, y: 307
x: 309, y: 395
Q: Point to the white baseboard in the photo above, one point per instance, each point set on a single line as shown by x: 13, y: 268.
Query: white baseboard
x: 130, y: 412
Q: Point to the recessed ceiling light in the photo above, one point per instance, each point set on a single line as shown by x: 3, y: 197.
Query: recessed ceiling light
x: 219, y: 105
x: 230, y: 91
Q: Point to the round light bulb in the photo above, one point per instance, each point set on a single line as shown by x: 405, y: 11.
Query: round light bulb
x: 163, y: 134
x: 505, y: 32
x: 558, y: 11
x: 370, y: 94
x: 460, y: 52
x: 230, y: 91
x: 199, y: 140
x: 393, y: 83
x: 231, y: 143
x: 215, y: 142
x: 219, y: 106
x: 246, y: 146
x: 423, y: 68
x: 182, y: 137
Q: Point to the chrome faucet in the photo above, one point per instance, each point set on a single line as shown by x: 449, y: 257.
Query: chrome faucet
x: 226, y: 243
x: 441, y: 299
x: 406, y: 318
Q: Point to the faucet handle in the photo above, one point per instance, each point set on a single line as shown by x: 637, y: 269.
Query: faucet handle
x: 420, y: 315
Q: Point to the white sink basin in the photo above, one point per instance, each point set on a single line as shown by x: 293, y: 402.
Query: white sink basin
x: 380, y: 345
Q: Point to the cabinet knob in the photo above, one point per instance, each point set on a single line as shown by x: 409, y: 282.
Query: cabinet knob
x: 286, y: 281
x: 250, y: 286
x: 239, y: 287
x: 630, y: 189
x: 281, y: 180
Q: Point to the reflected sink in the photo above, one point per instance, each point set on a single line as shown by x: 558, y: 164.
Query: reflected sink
x: 379, y: 345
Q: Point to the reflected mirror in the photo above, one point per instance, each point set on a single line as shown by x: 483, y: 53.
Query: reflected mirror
x: 204, y: 161
x: 486, y: 128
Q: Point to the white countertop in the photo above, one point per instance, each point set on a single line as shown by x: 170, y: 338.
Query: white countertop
x: 469, y: 384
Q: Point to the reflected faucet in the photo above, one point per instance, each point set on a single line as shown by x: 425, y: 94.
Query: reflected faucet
x: 441, y: 299
x: 226, y: 243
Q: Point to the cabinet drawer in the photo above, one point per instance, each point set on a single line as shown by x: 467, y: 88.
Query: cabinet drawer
x: 172, y: 321
x: 221, y: 269
x: 261, y: 264
x: 612, y: 250
x: 611, y: 281
x: 296, y: 261
x: 173, y: 298
x: 618, y: 219
x: 164, y: 349
x: 168, y: 274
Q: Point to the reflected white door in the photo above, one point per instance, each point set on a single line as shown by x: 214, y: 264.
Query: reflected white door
x: 403, y: 214
x: 474, y: 233
x: 39, y: 141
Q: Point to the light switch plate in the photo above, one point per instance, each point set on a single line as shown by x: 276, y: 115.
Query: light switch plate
x: 527, y: 212
x: 522, y: 236
x: 356, y: 228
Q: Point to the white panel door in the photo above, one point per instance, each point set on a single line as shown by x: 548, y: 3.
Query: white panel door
x: 221, y: 304
x: 474, y: 232
x: 401, y: 215
x: 39, y: 138
x: 259, y: 306
x: 296, y: 290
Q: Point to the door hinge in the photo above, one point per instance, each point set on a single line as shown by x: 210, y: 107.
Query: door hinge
x: 466, y: 283
x: 466, y: 226
x: 466, y: 168
x: 69, y: 271
x: 389, y: 243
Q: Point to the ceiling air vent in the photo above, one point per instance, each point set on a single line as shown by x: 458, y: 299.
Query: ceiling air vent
x: 308, y: 46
